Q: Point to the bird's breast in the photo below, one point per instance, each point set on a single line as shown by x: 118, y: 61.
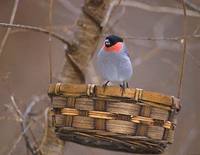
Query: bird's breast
x: 114, y: 66
x: 114, y: 49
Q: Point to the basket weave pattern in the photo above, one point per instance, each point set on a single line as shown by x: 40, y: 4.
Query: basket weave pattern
x: 133, y: 121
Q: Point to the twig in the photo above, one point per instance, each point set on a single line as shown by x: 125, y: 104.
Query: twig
x: 37, y: 29
x: 63, y: 28
x: 196, y: 30
x: 4, y: 118
x: 108, y: 13
x: 104, y: 23
x: 146, y: 57
x: 23, y: 127
x: 151, y: 38
x: 113, y: 5
x: 45, y: 129
x: 181, y: 73
x: 27, y: 112
x: 24, y: 123
x: 33, y: 102
x: 9, y: 29
x: 178, y: 38
x: 195, y: 60
x: 117, y: 17
x: 158, y: 9
x: 192, y: 5
x: 50, y: 40
x: 155, y: 38
x: 69, y: 6
x: 19, y: 113
x: 19, y: 138
x: 61, y: 38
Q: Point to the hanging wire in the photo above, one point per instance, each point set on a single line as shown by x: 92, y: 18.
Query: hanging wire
x: 50, y: 46
x: 184, y: 41
x: 50, y: 40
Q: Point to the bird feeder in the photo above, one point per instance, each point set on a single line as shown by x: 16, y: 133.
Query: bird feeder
x: 133, y: 120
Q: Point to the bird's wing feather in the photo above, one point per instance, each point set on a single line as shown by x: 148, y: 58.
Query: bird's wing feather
x: 125, y: 50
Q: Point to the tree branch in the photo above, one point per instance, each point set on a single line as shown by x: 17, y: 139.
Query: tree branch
x: 70, y: 45
x: 23, y: 127
x: 4, y: 118
x: 9, y: 29
x: 108, y: 13
x: 19, y: 138
x: 158, y: 9
x: 192, y: 5
x: 50, y: 140
x: 69, y: 6
x: 24, y: 122
x: 183, y: 59
x: 178, y: 38
x: 37, y: 29
x: 87, y: 34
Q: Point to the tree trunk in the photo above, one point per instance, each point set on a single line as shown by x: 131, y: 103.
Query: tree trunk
x: 78, y: 55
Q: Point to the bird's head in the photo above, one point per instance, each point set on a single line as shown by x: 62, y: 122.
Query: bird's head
x: 113, y: 43
x: 112, y: 40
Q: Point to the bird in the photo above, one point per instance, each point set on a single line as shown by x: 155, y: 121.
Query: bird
x: 113, y: 62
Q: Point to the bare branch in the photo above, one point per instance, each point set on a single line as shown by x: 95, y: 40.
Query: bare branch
x: 158, y: 9
x: 183, y: 59
x: 178, y: 38
x: 69, y: 6
x: 113, y: 5
x: 50, y: 40
x: 9, y: 29
x: 117, y: 17
x: 196, y: 30
x: 61, y: 38
x: 34, y: 101
x: 63, y: 28
x: 45, y: 129
x: 37, y: 29
x: 19, y: 138
x: 24, y: 125
x: 151, y: 38
x: 149, y: 55
x: 4, y: 118
x: 19, y: 113
x: 108, y: 13
x: 195, y: 60
x: 192, y: 5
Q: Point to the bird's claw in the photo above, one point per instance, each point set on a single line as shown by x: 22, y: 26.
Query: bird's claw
x: 123, y: 86
x: 105, y: 85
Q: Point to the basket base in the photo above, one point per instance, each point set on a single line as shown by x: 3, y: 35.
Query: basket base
x: 116, y: 142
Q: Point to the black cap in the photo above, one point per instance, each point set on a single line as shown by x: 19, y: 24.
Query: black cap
x: 112, y: 40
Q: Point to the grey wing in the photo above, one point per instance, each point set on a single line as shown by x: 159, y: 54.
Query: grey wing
x: 126, y: 69
x: 125, y: 65
x: 125, y: 50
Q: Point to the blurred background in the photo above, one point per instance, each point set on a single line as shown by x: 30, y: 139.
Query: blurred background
x: 24, y: 65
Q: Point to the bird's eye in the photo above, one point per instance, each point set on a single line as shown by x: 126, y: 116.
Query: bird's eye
x: 107, y: 42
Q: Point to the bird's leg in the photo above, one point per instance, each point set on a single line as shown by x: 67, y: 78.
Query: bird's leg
x: 127, y: 86
x: 105, y: 85
x: 123, y: 86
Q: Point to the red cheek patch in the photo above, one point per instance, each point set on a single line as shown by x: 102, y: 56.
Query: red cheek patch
x: 115, y: 48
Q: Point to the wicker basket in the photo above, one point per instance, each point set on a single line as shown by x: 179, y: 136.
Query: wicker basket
x: 134, y: 120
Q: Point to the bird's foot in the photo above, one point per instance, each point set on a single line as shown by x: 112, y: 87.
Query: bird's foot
x: 123, y: 86
x: 105, y: 85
